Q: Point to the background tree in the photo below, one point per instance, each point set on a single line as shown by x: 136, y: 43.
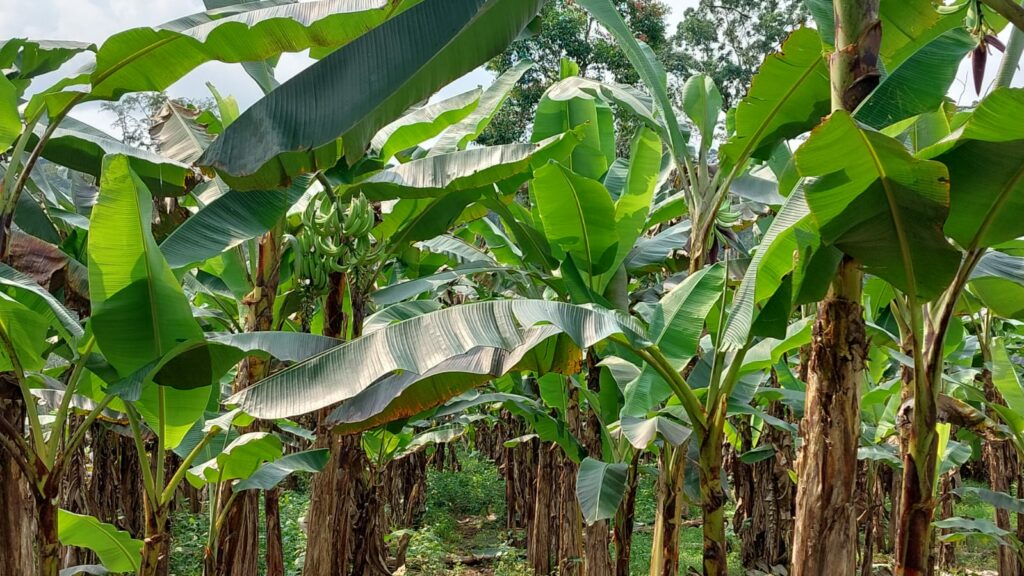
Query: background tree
x: 568, y: 31
x: 728, y: 39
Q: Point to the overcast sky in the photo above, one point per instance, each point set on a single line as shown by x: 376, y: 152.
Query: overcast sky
x: 95, y: 20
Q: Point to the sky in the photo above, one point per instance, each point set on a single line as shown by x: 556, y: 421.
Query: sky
x: 95, y: 20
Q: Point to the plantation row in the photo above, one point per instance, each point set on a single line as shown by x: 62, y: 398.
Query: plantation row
x: 800, y: 314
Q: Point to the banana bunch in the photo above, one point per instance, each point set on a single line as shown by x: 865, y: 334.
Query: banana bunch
x: 333, y: 238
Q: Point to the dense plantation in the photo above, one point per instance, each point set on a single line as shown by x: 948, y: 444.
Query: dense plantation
x: 600, y: 317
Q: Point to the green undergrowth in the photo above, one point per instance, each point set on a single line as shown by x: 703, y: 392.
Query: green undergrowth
x: 465, y: 517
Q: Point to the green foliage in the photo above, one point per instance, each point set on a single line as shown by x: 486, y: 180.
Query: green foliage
x: 475, y: 490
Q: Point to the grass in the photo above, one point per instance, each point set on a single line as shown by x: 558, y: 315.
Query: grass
x: 189, y: 532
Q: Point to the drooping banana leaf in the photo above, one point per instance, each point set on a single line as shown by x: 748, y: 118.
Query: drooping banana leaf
x: 464, y: 170
x: 408, y: 394
x: 882, y: 206
x: 470, y: 128
x: 229, y: 221
x: 271, y: 474
x: 986, y: 171
x: 117, y: 550
x: 420, y: 344
x: 600, y: 487
x: 151, y: 59
x: 298, y: 128
x: 424, y: 123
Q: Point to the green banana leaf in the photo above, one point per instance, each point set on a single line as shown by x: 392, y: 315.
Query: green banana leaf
x: 578, y: 218
x: 789, y: 95
x: 472, y: 126
x: 647, y: 66
x: 877, y: 203
x: 269, y: 475
x: 228, y: 221
x: 920, y: 83
x: 986, y: 170
x: 464, y: 170
x: 297, y: 129
x: 998, y: 280
x: 676, y: 325
x: 408, y: 394
x: 116, y: 549
x: 152, y: 59
x: 418, y: 345
x: 424, y: 123
x: 239, y: 459
x: 599, y: 488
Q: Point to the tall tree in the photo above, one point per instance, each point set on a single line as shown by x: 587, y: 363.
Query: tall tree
x: 728, y: 39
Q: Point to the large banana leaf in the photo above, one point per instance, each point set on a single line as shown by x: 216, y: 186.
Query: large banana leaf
x: 920, y: 83
x: 578, y: 217
x: 998, y: 280
x: 789, y: 95
x: 33, y: 296
x: 408, y: 394
x: 464, y: 170
x: 676, y: 327
x: 564, y: 108
x: 227, y: 222
x: 792, y: 245
x: 118, y: 551
x: 470, y: 128
x: 139, y: 311
x: 986, y: 171
x: 82, y: 148
x: 646, y: 64
x: 420, y: 344
x: 599, y: 488
x: 423, y: 123
x: 877, y: 203
x: 151, y: 59
x: 300, y: 128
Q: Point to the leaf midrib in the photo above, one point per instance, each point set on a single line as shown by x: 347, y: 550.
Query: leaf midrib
x: 895, y: 212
